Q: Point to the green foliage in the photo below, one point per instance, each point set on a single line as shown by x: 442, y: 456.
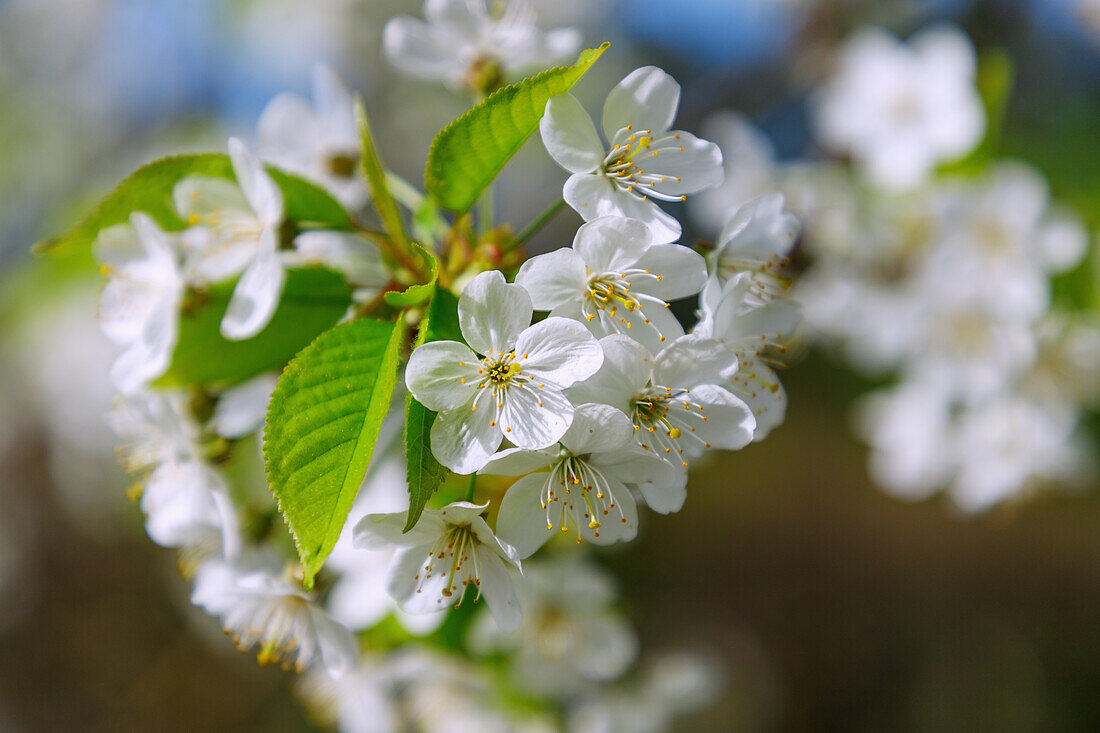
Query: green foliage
x: 322, y: 424
x: 469, y: 153
x: 313, y: 300
x: 376, y: 178
x: 425, y: 474
x: 996, y: 74
x: 149, y: 189
x: 415, y: 294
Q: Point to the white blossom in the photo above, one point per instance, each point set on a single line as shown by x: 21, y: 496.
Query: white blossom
x: 259, y: 606
x: 448, y: 550
x: 140, y: 305
x: 615, y: 280
x: 360, y: 701
x: 571, y: 637
x: 674, y: 400
x: 236, y: 229
x: 581, y: 483
x: 644, y: 161
x: 474, y: 42
x: 757, y: 239
x: 899, y: 109
x: 346, y: 252
x: 242, y: 409
x: 511, y: 387
x: 318, y: 141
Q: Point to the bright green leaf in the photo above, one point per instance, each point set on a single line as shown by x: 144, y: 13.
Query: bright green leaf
x: 416, y: 293
x: 469, y: 153
x: 149, y: 189
x: 322, y: 424
x: 313, y: 300
x: 425, y: 474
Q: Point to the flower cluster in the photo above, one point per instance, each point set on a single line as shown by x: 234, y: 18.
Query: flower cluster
x: 570, y: 393
x: 949, y: 285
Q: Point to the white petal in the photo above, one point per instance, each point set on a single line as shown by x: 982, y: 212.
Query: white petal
x: 597, y: 429
x: 457, y: 16
x: 570, y: 135
x: 559, y: 351
x: 518, y: 462
x: 647, y: 99
x: 435, y: 372
x: 385, y: 531
x: 402, y: 582
x: 683, y: 272
x: 593, y: 196
x: 413, y: 47
x: 334, y: 101
x: 336, y: 643
x: 352, y: 255
x: 263, y: 196
x: 687, y: 163
x: 535, y: 418
x: 464, y: 440
x: 730, y: 423
x: 256, y: 295
x: 241, y: 409
x: 553, y: 278
x: 496, y: 587
x: 200, y: 196
x: 462, y: 512
x: 521, y: 521
x: 288, y: 126
x: 492, y: 313
x: 620, y: 524
x: 626, y: 369
x: 612, y: 243
x: 692, y: 360
x: 117, y: 246
x: 666, y: 492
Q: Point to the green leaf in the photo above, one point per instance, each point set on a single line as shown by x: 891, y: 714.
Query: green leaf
x: 416, y: 293
x: 996, y: 74
x: 314, y: 299
x: 322, y: 424
x: 469, y: 153
x: 376, y: 178
x: 425, y: 474
x: 149, y: 189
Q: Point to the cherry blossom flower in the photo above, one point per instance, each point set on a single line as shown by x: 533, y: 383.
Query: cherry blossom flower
x: 899, y: 109
x: 511, y: 387
x: 140, y: 305
x: 582, y: 483
x: 448, y: 550
x: 318, y: 141
x: 643, y: 162
x: 236, y: 230
x: 615, y: 280
x: 474, y: 43
x: 674, y: 400
x: 758, y: 239
x: 259, y: 606
x: 242, y: 409
x: 758, y: 336
x: 570, y: 637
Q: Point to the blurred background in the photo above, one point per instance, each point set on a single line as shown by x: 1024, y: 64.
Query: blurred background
x: 829, y: 604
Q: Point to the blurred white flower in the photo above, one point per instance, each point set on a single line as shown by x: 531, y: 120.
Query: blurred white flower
x: 615, y: 280
x: 582, y: 482
x: 514, y: 390
x: 236, y: 229
x: 242, y: 409
x: 448, y: 550
x: 757, y: 239
x: 140, y: 304
x: 748, y: 159
x: 360, y: 701
x: 182, y: 506
x: 570, y: 637
x: 153, y: 428
x: 476, y: 43
x: 643, y: 162
x: 674, y: 400
x: 318, y: 141
x: 258, y: 606
x: 348, y: 253
x: 900, y: 109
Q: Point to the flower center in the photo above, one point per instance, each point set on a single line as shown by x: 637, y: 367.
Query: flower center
x: 342, y: 165
x: 499, y: 373
x: 610, y: 291
x: 454, y: 553
x: 576, y: 491
x: 663, y: 418
x: 626, y: 164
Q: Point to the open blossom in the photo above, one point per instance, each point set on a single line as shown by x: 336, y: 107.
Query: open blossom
x: 674, y: 400
x: 260, y: 607
x: 757, y: 334
x: 318, y: 141
x: 474, y: 42
x: 570, y: 637
x: 140, y: 305
x: 345, y: 252
x: 643, y: 162
x: 511, y: 387
x: 448, y: 550
x: 615, y: 280
x: 757, y: 239
x: 899, y: 109
x: 581, y: 483
x: 236, y: 230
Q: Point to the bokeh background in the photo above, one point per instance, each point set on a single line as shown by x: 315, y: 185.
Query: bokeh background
x: 828, y: 604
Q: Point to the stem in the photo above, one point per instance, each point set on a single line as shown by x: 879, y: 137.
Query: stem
x: 485, y: 212
x: 536, y: 226
x: 470, y: 490
x: 405, y: 193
